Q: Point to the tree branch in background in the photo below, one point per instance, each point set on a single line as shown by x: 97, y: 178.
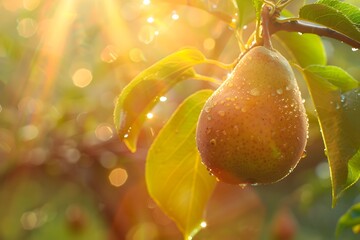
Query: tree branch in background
x: 306, y: 27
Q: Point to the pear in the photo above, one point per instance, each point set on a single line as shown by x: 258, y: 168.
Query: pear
x: 253, y: 128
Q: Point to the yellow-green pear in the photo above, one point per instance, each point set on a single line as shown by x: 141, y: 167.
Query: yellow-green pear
x: 253, y: 129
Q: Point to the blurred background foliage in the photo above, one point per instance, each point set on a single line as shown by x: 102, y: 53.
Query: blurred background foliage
x: 63, y: 172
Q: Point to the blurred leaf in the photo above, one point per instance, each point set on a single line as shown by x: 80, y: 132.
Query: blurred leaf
x: 336, y: 96
x: 306, y: 49
x: 330, y: 17
x: 246, y: 12
x: 175, y: 177
x: 351, y: 219
x: 144, y: 91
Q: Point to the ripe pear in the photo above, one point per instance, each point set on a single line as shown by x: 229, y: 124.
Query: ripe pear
x: 253, y: 128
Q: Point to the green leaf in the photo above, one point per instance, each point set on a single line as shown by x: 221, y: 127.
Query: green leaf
x: 350, y: 11
x: 336, y: 96
x: 246, y: 12
x: 305, y: 49
x: 175, y: 177
x: 335, y: 76
x: 144, y: 91
x: 331, y: 18
x: 351, y: 219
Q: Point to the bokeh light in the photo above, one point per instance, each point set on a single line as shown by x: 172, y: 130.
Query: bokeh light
x: 118, y: 177
x: 27, y: 27
x: 29, y: 132
x: 109, y: 54
x: 82, y: 77
x: 104, y: 132
x: 163, y: 99
x: 31, y: 5
x: 149, y: 115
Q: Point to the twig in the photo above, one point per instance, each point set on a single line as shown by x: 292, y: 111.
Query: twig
x: 307, y: 27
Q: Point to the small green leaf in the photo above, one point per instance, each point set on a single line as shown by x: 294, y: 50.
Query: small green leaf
x: 331, y: 18
x: 175, y: 177
x: 305, y: 49
x: 144, y: 91
x: 351, y: 219
x: 336, y: 96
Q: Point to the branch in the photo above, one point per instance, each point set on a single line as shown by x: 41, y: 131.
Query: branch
x: 307, y: 27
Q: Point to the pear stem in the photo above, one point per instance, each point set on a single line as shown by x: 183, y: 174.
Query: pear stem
x: 265, y: 16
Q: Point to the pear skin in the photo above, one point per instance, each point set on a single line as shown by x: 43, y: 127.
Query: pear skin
x: 253, y: 129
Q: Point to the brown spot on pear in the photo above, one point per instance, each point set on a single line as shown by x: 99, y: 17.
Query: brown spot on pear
x: 265, y: 123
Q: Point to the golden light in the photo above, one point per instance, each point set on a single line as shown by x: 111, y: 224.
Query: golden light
x: 149, y: 115
x: 115, y: 28
x: 175, y: 16
x: 146, y: 2
x: 163, y: 99
x: 82, y: 77
x: 118, y: 177
x: 150, y: 19
x: 203, y: 224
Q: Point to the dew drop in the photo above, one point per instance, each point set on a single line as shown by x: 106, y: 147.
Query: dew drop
x: 203, y: 224
x: 207, y: 109
x: 337, y: 106
x: 236, y: 129
x: 243, y: 109
x: 224, y: 132
x: 208, y: 131
x: 354, y: 49
x: 213, y: 142
x: 279, y: 91
x: 303, y: 100
x: 304, y: 154
x: 342, y: 98
x: 209, y: 118
x: 221, y: 113
x: 254, y: 92
x: 245, y: 27
x: 287, y: 88
x: 126, y: 135
x: 242, y: 186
